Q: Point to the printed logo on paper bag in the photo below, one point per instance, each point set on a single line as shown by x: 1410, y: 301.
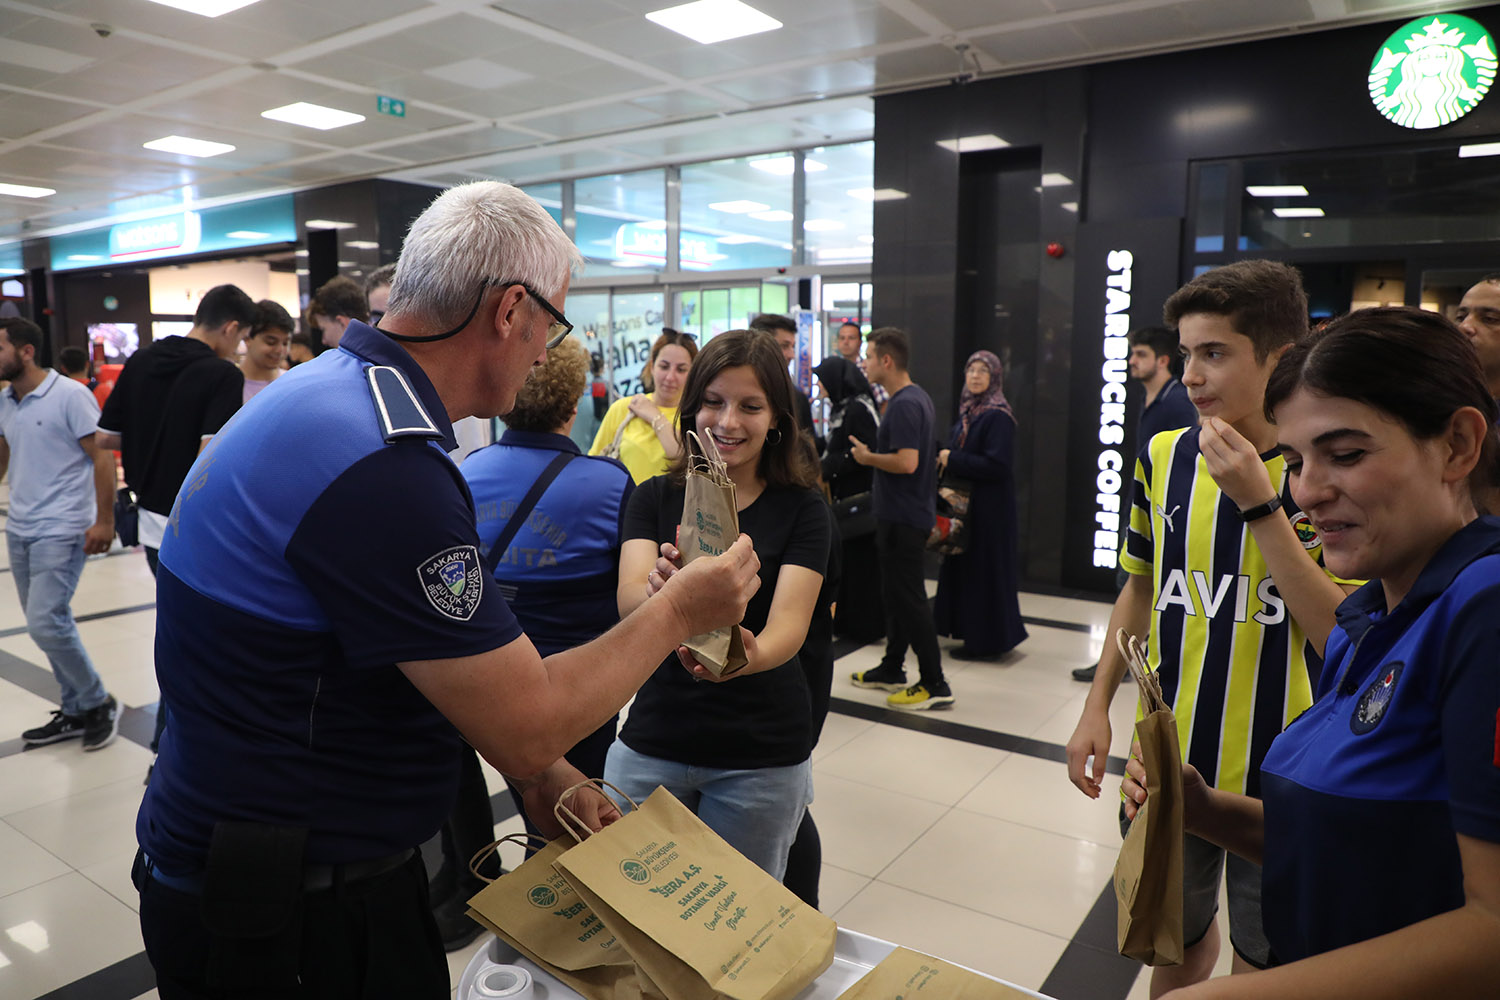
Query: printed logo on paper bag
x: 542, y: 897
x: 452, y: 581
x: 635, y: 871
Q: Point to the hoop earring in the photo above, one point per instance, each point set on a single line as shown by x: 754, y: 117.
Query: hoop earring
x: 776, y: 439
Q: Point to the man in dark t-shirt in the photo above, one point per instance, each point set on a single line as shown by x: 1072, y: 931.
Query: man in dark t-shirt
x: 905, y: 491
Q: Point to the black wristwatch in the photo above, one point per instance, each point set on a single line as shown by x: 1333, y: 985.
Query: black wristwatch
x: 1259, y: 511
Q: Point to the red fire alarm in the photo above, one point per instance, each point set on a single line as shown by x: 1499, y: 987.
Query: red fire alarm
x: 1056, y: 250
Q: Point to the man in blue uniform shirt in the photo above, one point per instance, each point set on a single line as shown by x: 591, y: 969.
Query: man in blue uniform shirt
x: 324, y: 622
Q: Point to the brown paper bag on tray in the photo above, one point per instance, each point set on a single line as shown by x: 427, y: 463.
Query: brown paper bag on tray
x: 710, y: 524
x: 1148, y: 874
x: 911, y: 975
x: 699, y: 918
x: 535, y: 911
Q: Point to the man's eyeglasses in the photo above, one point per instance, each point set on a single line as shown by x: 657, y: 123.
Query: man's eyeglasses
x: 557, y: 330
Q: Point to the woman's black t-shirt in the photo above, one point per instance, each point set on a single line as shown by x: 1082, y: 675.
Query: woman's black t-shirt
x: 764, y: 720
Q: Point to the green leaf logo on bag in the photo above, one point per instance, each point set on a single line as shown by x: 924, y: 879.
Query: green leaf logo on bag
x: 635, y: 871
x: 542, y: 897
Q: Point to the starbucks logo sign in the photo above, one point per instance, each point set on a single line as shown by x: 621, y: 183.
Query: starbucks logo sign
x: 1433, y: 71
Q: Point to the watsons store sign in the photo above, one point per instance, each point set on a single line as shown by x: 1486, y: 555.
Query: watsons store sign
x: 1113, y: 473
x: 1432, y: 71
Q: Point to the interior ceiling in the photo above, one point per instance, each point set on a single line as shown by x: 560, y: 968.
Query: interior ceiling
x: 522, y: 90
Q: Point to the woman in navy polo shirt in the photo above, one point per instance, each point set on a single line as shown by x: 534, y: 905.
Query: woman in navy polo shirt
x: 1380, y: 825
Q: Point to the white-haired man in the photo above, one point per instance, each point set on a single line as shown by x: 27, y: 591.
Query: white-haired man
x: 329, y: 534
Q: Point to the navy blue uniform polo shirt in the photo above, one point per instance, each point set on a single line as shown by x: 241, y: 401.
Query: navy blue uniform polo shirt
x: 323, y: 537
x: 1365, y: 791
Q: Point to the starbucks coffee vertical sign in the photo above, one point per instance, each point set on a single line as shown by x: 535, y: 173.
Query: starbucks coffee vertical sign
x: 1432, y: 71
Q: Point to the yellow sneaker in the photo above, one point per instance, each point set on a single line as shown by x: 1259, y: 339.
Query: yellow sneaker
x: 919, y: 698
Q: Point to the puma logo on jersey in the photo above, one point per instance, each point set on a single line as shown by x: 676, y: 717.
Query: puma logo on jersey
x: 1168, y: 517
x: 1213, y: 598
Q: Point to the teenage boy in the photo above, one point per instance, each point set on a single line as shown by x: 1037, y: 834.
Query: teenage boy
x: 905, y: 494
x: 1242, y: 607
x: 265, y: 346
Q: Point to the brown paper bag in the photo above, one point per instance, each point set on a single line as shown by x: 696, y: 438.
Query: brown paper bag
x: 710, y: 524
x: 1148, y: 874
x: 535, y: 911
x: 699, y: 918
x: 910, y: 975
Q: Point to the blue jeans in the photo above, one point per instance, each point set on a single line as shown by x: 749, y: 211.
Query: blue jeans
x: 756, y: 810
x: 46, y: 572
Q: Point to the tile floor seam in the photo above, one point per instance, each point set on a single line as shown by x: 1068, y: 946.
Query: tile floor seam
x: 38, y: 844
x: 902, y: 853
x: 1029, y: 826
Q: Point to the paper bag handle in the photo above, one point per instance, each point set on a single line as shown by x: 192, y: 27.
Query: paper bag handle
x: 1148, y: 683
x: 566, y: 816
x: 493, y: 847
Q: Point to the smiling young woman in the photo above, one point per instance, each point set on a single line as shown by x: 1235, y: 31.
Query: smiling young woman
x: 1379, y: 827
x: 736, y: 753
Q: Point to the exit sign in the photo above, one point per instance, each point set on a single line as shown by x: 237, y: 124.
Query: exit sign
x: 395, y: 107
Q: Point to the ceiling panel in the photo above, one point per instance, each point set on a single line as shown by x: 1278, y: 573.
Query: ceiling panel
x: 1161, y: 27
x: 928, y: 62
x: 21, y: 115
x: 1211, y: 16
x: 1037, y: 45
x: 812, y: 81
x: 472, y: 143
x: 587, y: 121
x: 960, y: 15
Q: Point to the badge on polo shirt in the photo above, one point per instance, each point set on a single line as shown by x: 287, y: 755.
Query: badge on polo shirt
x: 453, y: 581
x: 1375, y: 700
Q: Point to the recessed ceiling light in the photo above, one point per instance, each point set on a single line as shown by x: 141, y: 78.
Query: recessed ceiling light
x: 1056, y: 180
x: 247, y: 234
x: 84, y: 256
x: 973, y: 143
x: 313, y: 116
x: 785, y: 166
x: 184, y: 146
x: 876, y: 194
x: 329, y: 224
x: 775, y: 215
x: 738, y: 207
x: 822, y: 225
x: 1277, y: 190
x: 710, y: 21
x: 1479, y: 149
x: 362, y: 245
x: 26, y: 191
x: 208, y: 8
x: 1297, y: 213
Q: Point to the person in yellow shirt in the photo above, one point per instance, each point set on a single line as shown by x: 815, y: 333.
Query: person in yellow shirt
x: 646, y: 424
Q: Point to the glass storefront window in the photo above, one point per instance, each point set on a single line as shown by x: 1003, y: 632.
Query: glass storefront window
x: 774, y: 297
x: 637, y: 321
x: 622, y: 222
x: 838, y: 227
x: 737, y: 213
x: 589, y: 313
x: 1208, y: 226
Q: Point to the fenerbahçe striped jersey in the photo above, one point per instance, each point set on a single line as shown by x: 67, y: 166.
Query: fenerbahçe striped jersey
x: 1234, y: 664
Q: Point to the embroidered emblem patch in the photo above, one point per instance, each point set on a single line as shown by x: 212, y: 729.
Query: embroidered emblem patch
x: 1306, y: 533
x: 1370, y: 708
x: 453, y: 581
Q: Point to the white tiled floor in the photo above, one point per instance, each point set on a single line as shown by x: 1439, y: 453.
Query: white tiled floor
x: 982, y: 856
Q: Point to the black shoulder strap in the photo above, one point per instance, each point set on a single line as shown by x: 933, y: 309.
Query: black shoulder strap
x: 523, y: 511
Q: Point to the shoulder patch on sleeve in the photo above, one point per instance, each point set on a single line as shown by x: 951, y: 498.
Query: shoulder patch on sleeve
x: 401, y: 413
x: 453, y: 581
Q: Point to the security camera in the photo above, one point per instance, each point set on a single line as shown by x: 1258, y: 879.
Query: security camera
x: 102, y: 30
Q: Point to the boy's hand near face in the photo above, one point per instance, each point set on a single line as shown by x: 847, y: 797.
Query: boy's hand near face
x: 1234, y: 464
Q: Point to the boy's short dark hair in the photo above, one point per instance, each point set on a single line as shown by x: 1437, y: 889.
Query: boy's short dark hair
x: 22, y: 332
x: 225, y: 304
x: 1158, y: 338
x: 382, y: 275
x: 74, y: 360
x: 771, y: 322
x: 343, y: 296
x: 891, y: 342
x: 272, y: 315
x: 1262, y: 299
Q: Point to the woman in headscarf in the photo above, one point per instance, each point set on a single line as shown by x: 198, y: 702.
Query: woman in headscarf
x: 977, y: 598
x: 852, y: 414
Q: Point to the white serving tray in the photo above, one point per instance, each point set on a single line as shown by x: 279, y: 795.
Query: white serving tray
x: 854, y: 955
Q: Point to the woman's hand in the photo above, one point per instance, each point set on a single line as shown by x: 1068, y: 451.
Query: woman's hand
x: 667, y: 564
x: 641, y: 406
x: 942, y: 460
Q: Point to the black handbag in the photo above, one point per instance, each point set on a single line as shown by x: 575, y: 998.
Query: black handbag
x: 127, y: 518
x: 855, y: 515
x: 950, y: 531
